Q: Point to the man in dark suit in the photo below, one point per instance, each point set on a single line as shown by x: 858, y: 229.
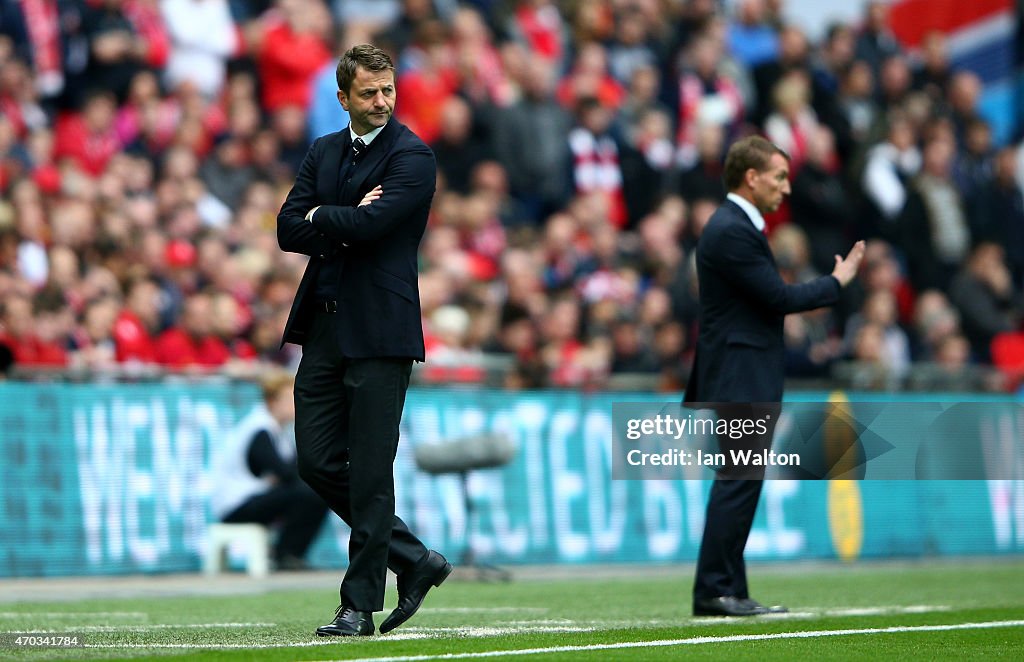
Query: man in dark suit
x: 738, y: 367
x: 358, y: 209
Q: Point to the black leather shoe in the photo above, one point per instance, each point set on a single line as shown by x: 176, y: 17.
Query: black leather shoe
x: 413, y: 586
x: 774, y: 609
x: 347, y: 623
x: 726, y: 605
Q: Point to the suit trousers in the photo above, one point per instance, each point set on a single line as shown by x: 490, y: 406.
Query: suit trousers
x: 347, y: 413
x: 732, y: 503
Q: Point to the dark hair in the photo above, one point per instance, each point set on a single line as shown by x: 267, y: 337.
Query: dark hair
x: 512, y: 313
x: 368, y: 57
x: 750, y: 152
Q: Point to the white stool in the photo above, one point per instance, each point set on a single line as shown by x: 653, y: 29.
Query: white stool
x: 254, y: 537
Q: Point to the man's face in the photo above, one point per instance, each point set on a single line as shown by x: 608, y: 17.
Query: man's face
x: 370, y: 100
x: 771, y: 184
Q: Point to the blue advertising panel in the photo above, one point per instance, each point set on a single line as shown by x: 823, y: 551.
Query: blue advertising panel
x: 107, y: 479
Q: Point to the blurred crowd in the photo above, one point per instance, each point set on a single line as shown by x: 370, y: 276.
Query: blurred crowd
x: 146, y: 147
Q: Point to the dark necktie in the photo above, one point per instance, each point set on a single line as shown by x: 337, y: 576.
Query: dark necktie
x: 358, y: 147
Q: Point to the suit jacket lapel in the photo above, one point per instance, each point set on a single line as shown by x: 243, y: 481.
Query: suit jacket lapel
x: 375, y: 153
x: 741, y: 216
x: 330, y: 168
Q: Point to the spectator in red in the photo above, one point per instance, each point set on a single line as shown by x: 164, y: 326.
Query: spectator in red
x: 191, y: 343
x: 431, y: 83
x: 482, y: 235
x: 145, y: 16
x: 706, y: 96
x: 589, y: 78
x: 137, y: 323
x: 33, y: 25
x: 595, y: 156
x: 89, y: 138
x: 571, y: 360
x: 539, y: 24
x: 482, y: 73
x: 146, y: 117
x: 517, y: 336
x: 18, y: 332
x: 292, y: 51
x: 882, y: 271
x: 792, y: 123
x: 562, y: 351
x: 18, y: 97
x: 230, y: 320
x: 119, y: 47
x: 95, y: 347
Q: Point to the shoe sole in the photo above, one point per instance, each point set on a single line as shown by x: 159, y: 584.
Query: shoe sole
x: 723, y: 613
x: 441, y: 576
x: 331, y: 634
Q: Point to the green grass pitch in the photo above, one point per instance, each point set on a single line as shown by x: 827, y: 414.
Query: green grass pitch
x: 951, y: 609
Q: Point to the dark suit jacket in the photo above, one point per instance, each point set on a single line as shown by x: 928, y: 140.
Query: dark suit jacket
x: 743, y: 302
x: 378, y: 293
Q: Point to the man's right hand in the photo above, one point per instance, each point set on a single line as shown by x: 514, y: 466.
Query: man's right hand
x: 846, y: 269
x: 371, y: 196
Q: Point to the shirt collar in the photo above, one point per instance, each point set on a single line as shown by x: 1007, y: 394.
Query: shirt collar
x: 368, y: 138
x: 752, y: 212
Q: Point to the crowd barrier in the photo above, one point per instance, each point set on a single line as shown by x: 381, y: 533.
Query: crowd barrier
x: 115, y: 478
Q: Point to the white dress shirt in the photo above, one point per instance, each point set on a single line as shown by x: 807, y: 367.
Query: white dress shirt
x: 367, y: 139
x: 752, y: 212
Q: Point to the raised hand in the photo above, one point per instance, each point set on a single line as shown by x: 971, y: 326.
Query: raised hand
x: 846, y: 269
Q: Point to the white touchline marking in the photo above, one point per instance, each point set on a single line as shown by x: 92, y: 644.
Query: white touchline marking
x: 498, y: 631
x: 876, y: 611
x: 554, y: 626
x: 326, y: 641
x: 73, y: 614
x: 808, y: 634
x: 558, y: 649
x: 151, y: 626
x: 482, y: 610
x: 818, y: 612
